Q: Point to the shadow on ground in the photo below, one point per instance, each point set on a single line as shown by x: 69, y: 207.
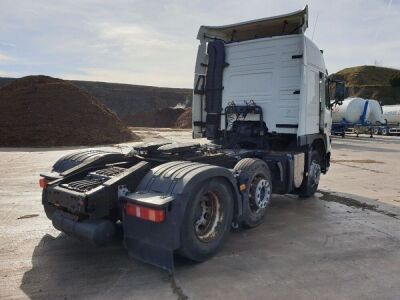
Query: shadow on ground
x: 63, y: 267
x: 301, y: 250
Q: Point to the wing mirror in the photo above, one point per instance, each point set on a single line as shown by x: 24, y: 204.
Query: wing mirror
x: 339, y: 94
x: 339, y: 91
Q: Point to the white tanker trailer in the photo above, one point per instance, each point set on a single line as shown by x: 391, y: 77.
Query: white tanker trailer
x: 391, y: 114
x: 357, y: 115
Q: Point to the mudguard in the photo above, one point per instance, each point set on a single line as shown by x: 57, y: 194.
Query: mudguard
x: 169, y: 186
x: 71, y: 160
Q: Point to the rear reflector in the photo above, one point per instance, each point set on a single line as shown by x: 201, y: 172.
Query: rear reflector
x: 43, y: 183
x: 145, y: 213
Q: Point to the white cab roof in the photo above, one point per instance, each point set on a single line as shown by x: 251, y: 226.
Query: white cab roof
x: 292, y: 23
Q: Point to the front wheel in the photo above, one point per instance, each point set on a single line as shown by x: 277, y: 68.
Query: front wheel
x: 207, y: 219
x: 310, y: 183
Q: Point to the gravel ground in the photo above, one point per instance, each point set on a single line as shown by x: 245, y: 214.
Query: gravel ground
x: 344, y: 243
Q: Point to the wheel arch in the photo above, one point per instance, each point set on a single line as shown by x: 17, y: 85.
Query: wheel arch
x: 180, y: 179
x: 72, y: 160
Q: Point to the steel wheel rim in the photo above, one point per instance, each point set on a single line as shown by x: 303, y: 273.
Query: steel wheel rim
x: 209, y: 215
x: 260, y: 193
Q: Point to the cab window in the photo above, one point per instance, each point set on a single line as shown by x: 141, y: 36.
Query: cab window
x: 323, y: 90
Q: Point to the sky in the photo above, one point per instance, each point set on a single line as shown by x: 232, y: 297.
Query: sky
x: 154, y: 42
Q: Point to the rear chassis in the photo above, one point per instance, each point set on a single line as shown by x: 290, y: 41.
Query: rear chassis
x: 87, y: 200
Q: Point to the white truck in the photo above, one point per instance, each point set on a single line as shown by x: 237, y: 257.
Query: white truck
x: 261, y: 96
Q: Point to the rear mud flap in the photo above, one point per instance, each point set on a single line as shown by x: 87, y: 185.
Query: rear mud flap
x: 154, y: 255
x: 153, y: 243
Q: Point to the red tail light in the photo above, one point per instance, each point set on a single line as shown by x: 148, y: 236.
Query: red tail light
x: 145, y: 213
x: 43, y: 183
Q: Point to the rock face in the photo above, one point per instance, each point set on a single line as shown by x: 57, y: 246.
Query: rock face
x: 44, y: 111
x: 128, y: 99
x: 371, y: 82
x: 165, y: 117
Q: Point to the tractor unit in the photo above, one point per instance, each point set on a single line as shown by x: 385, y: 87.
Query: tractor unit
x: 261, y: 97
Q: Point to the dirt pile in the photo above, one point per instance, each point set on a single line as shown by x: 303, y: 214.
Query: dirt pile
x: 45, y: 111
x: 165, y: 117
x: 185, y: 119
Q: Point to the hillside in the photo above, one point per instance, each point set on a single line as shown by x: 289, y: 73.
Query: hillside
x: 128, y: 99
x: 371, y: 82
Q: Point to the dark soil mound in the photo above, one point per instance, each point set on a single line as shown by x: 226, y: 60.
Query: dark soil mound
x: 45, y: 111
x: 185, y: 119
x: 165, y: 117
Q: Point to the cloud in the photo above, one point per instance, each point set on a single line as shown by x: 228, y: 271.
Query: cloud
x: 154, y: 42
x: 5, y: 58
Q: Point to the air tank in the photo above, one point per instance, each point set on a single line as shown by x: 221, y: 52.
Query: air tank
x: 392, y: 114
x: 357, y: 110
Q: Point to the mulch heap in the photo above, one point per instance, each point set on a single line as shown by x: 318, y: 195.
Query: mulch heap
x: 42, y: 111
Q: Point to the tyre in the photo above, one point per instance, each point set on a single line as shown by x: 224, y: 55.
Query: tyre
x: 258, y: 190
x: 376, y: 131
x: 384, y: 131
x: 207, y: 219
x: 310, y: 183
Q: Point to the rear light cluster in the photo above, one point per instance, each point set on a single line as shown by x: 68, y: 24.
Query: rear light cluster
x: 43, y: 182
x: 145, y: 213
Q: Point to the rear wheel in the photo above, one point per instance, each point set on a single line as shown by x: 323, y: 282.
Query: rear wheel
x: 207, y: 219
x: 310, y: 183
x: 384, y: 131
x: 258, y: 189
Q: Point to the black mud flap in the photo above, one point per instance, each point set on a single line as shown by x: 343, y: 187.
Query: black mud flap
x: 150, y: 254
x: 150, y: 242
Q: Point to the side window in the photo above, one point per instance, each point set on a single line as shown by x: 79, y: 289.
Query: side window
x: 327, y: 94
x: 323, y: 96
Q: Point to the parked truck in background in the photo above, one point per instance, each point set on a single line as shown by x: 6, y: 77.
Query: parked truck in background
x: 391, y: 114
x: 357, y: 115
x: 261, y: 98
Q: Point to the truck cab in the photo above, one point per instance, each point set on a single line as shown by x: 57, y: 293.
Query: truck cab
x: 262, y: 84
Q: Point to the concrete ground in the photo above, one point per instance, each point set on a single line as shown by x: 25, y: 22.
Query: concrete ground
x: 344, y: 243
